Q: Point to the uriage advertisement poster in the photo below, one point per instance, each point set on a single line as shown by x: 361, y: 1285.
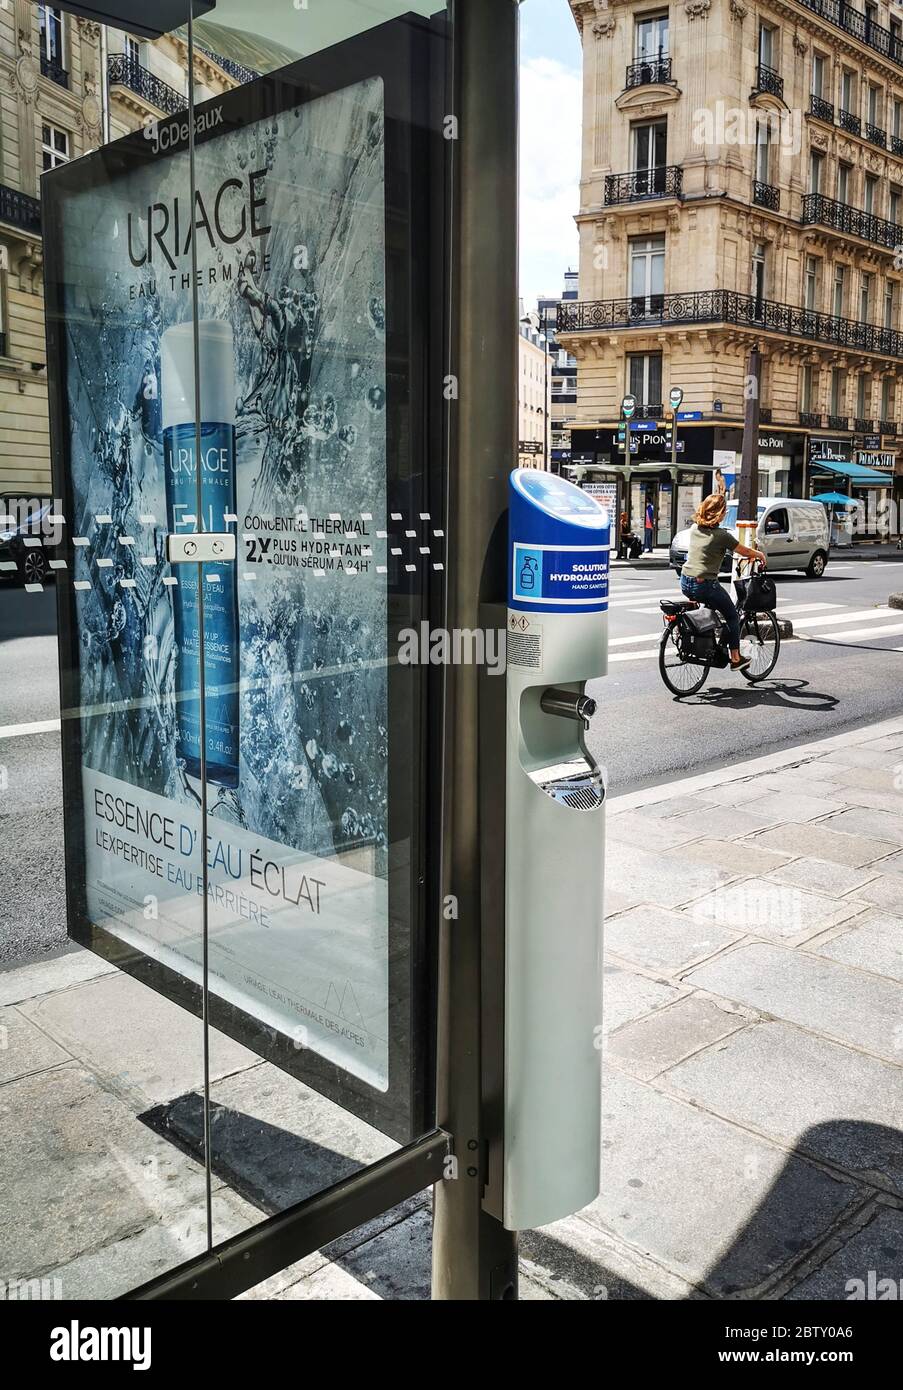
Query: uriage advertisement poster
x: 288, y: 226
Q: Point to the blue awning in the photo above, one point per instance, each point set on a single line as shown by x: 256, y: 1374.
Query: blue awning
x: 856, y: 471
x: 837, y: 499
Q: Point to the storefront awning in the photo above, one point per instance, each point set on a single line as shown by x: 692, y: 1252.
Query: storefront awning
x: 836, y: 499
x: 854, y: 471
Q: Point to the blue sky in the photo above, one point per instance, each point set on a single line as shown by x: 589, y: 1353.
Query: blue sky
x: 550, y: 145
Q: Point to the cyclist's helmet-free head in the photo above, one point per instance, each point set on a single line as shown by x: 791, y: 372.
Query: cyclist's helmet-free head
x: 711, y: 510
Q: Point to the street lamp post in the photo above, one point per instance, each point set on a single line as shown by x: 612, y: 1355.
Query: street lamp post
x: 675, y: 397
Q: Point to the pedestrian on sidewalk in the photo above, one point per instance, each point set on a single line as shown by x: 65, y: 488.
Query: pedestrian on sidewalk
x: 623, y: 536
x: 709, y: 542
x: 650, y: 526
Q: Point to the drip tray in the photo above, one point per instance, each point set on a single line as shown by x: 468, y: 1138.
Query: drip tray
x: 573, y: 785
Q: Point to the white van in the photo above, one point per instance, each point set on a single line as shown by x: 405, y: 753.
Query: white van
x: 793, y: 533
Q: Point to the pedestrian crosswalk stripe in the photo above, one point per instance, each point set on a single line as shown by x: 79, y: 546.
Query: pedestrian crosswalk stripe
x: 834, y: 619
x: 859, y: 634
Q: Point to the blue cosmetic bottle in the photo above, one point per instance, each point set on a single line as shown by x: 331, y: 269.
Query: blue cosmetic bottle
x: 217, y: 500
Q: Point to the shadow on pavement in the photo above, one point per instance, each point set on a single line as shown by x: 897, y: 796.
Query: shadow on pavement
x: 785, y: 694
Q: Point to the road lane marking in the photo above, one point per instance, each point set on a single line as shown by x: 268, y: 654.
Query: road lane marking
x: 44, y: 726
x: 834, y: 619
x: 859, y: 634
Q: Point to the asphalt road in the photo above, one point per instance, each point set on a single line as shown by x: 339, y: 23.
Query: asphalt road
x: 846, y: 672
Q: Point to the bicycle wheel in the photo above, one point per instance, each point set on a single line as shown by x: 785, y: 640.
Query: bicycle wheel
x: 680, y: 676
x: 762, y: 633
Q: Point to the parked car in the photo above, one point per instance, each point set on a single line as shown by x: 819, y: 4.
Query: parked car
x: 23, y: 526
x: 793, y: 533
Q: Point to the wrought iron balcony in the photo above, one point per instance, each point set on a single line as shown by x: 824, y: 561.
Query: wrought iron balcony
x: 765, y: 195
x: 728, y: 306
x: 859, y: 25
x: 648, y: 70
x: 828, y: 212
x: 863, y: 426
x: 236, y: 70
x: 769, y: 80
x: 838, y: 422
x: 664, y: 182
x: 125, y: 72
x: 54, y: 70
x: 19, y: 210
x: 824, y: 110
x: 847, y: 121
x: 896, y: 144
x: 811, y: 419
x: 2, y: 344
x: 764, y: 414
x: 649, y: 411
x: 876, y: 135
x: 887, y: 427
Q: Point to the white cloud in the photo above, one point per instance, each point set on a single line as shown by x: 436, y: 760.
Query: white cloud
x: 550, y: 123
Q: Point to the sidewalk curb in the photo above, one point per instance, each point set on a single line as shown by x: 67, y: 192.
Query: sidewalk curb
x: 739, y: 772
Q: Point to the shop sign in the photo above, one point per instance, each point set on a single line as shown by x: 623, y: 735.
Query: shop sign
x: 875, y: 460
x: 829, y: 450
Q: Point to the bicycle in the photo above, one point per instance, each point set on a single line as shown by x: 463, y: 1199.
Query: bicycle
x: 686, y: 656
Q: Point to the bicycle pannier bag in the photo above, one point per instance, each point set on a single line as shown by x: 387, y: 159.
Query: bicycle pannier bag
x: 758, y: 594
x: 700, y: 632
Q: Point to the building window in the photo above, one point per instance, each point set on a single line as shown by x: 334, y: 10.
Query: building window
x: 758, y: 273
x: 890, y: 304
x: 51, y: 21
x: 54, y: 147
x: 650, y: 145
x: 644, y: 377
x: 871, y: 192
x: 767, y: 45
x: 813, y: 266
x: 887, y: 398
x: 843, y: 183
x: 897, y: 119
x: 874, y: 105
x: 763, y: 151
x: 848, y: 91
x: 132, y: 50
x: 806, y: 389
x: 865, y: 298
x: 863, y: 396
x: 893, y: 205
x: 818, y: 74
x: 816, y: 164
x: 838, y: 391
x: 651, y: 37
x: 840, y: 286
x: 647, y: 274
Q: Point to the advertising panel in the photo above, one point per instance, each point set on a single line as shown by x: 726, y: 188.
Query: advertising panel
x: 275, y: 283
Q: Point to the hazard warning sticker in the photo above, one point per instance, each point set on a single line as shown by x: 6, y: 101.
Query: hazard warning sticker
x: 524, y: 641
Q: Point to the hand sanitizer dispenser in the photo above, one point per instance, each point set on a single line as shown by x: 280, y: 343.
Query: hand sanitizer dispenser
x: 560, y: 547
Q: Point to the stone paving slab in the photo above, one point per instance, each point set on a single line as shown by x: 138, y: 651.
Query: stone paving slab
x: 876, y: 1250
x: 652, y: 832
x: 892, y: 865
x: 84, y: 1170
x: 675, y: 806
x: 822, y: 995
x: 859, y: 820
x: 873, y: 800
x: 143, y: 1045
x: 643, y: 876
x: 726, y: 823
x: 875, y: 779
x: 875, y: 943
x: 842, y: 1106
x: 665, y: 941
x: 46, y: 977
x: 715, y: 1205
x: 854, y: 755
x: 821, y: 876
x: 782, y: 805
x: 626, y: 995
x: 24, y: 1048
x: 738, y: 860
x: 652, y: 1044
x: 581, y: 1261
x: 824, y: 842
x: 885, y: 891
x: 761, y: 907
x: 797, y: 781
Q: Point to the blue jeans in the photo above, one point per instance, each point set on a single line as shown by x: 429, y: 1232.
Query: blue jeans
x: 710, y: 592
x: 648, y: 545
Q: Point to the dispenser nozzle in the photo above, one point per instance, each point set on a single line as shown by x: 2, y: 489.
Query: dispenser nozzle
x: 568, y: 704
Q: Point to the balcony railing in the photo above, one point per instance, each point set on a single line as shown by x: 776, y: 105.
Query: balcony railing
x: 828, y: 212
x: 847, y: 121
x: 19, y: 210
x: 2, y: 344
x: 863, y: 426
x: 54, y: 70
x: 727, y: 306
x: 838, y: 422
x: 236, y: 70
x: 876, y: 135
x: 769, y: 80
x: 824, y: 110
x: 765, y: 195
x: 859, y: 25
x: 664, y: 182
x: 887, y: 427
x: 126, y: 72
x: 811, y: 419
x: 649, y: 411
x: 648, y: 70
x: 896, y: 144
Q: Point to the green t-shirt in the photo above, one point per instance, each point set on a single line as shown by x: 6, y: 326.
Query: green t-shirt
x: 706, y: 551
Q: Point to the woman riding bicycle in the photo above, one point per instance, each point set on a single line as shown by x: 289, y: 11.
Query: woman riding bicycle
x: 699, y: 577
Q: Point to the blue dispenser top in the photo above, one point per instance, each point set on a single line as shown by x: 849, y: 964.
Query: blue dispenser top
x: 559, y: 544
